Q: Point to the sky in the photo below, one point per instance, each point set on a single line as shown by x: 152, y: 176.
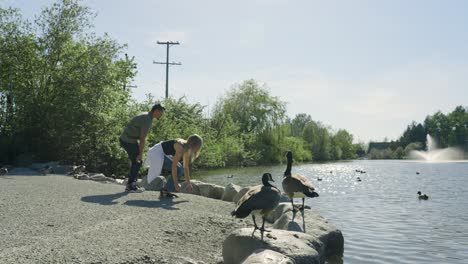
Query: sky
x: 370, y: 67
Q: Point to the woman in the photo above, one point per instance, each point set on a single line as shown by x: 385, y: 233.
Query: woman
x: 167, y: 154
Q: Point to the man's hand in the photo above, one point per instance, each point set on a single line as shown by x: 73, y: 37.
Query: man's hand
x: 177, y: 187
x: 138, y: 158
x: 189, y: 187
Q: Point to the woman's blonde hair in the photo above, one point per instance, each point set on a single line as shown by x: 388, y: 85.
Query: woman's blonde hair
x: 193, y: 145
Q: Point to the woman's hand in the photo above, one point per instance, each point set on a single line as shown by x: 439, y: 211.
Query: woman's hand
x: 177, y: 187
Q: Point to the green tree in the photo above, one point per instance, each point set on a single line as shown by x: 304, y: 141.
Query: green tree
x: 66, y: 86
x: 344, y: 141
x: 253, y: 108
x: 298, y: 124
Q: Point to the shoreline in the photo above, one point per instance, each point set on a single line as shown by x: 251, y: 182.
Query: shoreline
x: 60, y: 219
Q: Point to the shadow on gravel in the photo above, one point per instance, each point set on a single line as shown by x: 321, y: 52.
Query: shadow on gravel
x: 106, y: 199
x: 163, y: 203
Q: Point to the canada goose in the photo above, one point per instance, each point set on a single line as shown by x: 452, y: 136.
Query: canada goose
x: 259, y: 200
x: 358, y: 179
x: 422, y: 196
x: 3, y: 171
x: 295, y: 185
x: 417, y: 173
x: 319, y: 179
x: 231, y: 176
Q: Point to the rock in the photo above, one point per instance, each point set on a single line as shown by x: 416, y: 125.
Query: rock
x: 99, y: 177
x: 156, y: 185
x: 239, y: 195
x: 315, y: 224
x: 300, y: 247
x: 82, y: 176
x: 284, y: 199
x: 38, y: 166
x: 328, y: 233
x: 3, y: 171
x: 77, y: 169
x: 263, y: 256
x: 195, y: 187
x: 280, y: 210
x: 230, y: 191
x: 62, y: 169
x: 217, y: 192
x: 22, y: 171
x: 211, y: 190
x: 286, y: 222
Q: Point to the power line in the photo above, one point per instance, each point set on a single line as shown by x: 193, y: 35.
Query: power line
x: 167, y: 63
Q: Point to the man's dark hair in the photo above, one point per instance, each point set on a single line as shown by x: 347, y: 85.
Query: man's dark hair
x: 158, y: 107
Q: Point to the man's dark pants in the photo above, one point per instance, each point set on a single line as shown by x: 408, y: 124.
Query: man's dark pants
x: 133, y: 150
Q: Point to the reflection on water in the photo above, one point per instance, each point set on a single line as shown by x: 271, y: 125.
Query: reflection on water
x: 381, y: 217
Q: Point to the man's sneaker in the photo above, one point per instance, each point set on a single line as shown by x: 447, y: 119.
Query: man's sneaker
x: 133, y: 188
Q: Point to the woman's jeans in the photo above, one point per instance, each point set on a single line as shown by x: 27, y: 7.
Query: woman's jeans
x: 167, y: 165
x: 132, y: 150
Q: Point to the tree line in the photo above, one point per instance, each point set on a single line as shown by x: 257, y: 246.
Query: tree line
x: 64, y: 97
x: 449, y: 130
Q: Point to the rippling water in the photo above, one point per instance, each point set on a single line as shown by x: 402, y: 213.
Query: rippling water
x: 381, y: 217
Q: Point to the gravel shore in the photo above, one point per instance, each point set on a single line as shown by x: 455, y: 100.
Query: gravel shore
x: 57, y: 219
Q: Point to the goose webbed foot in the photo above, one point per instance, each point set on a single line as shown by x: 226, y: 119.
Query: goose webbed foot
x: 264, y: 230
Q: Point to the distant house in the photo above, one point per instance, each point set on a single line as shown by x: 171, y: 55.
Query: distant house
x: 378, y: 146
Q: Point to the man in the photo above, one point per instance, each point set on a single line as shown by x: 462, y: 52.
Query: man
x: 133, y: 141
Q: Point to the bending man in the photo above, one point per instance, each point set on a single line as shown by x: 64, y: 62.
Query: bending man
x: 133, y: 141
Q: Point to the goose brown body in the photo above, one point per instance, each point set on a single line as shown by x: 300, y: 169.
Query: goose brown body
x: 297, y: 186
x: 259, y: 200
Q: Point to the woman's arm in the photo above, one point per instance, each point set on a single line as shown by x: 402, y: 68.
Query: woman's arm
x: 179, y: 152
x: 186, y: 171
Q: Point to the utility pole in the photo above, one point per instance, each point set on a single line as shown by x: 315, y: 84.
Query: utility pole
x: 167, y: 63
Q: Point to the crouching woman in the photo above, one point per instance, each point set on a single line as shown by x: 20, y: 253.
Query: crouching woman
x: 167, y: 155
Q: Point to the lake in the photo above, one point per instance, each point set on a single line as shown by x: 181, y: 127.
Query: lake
x: 381, y: 217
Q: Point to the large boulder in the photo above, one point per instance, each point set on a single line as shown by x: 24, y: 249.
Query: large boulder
x: 239, y: 195
x: 315, y: 224
x: 300, y: 247
x: 328, y: 233
x: 286, y: 222
x: 266, y: 256
x: 156, y: 185
x: 230, y: 191
x: 195, y: 187
x: 211, y: 190
x: 100, y: 177
x: 280, y: 210
x: 81, y: 176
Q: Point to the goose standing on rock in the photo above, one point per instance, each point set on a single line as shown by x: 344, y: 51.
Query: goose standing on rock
x: 3, y: 171
x: 259, y: 200
x: 297, y: 186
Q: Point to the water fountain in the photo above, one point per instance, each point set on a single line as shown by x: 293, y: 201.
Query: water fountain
x: 433, y: 153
